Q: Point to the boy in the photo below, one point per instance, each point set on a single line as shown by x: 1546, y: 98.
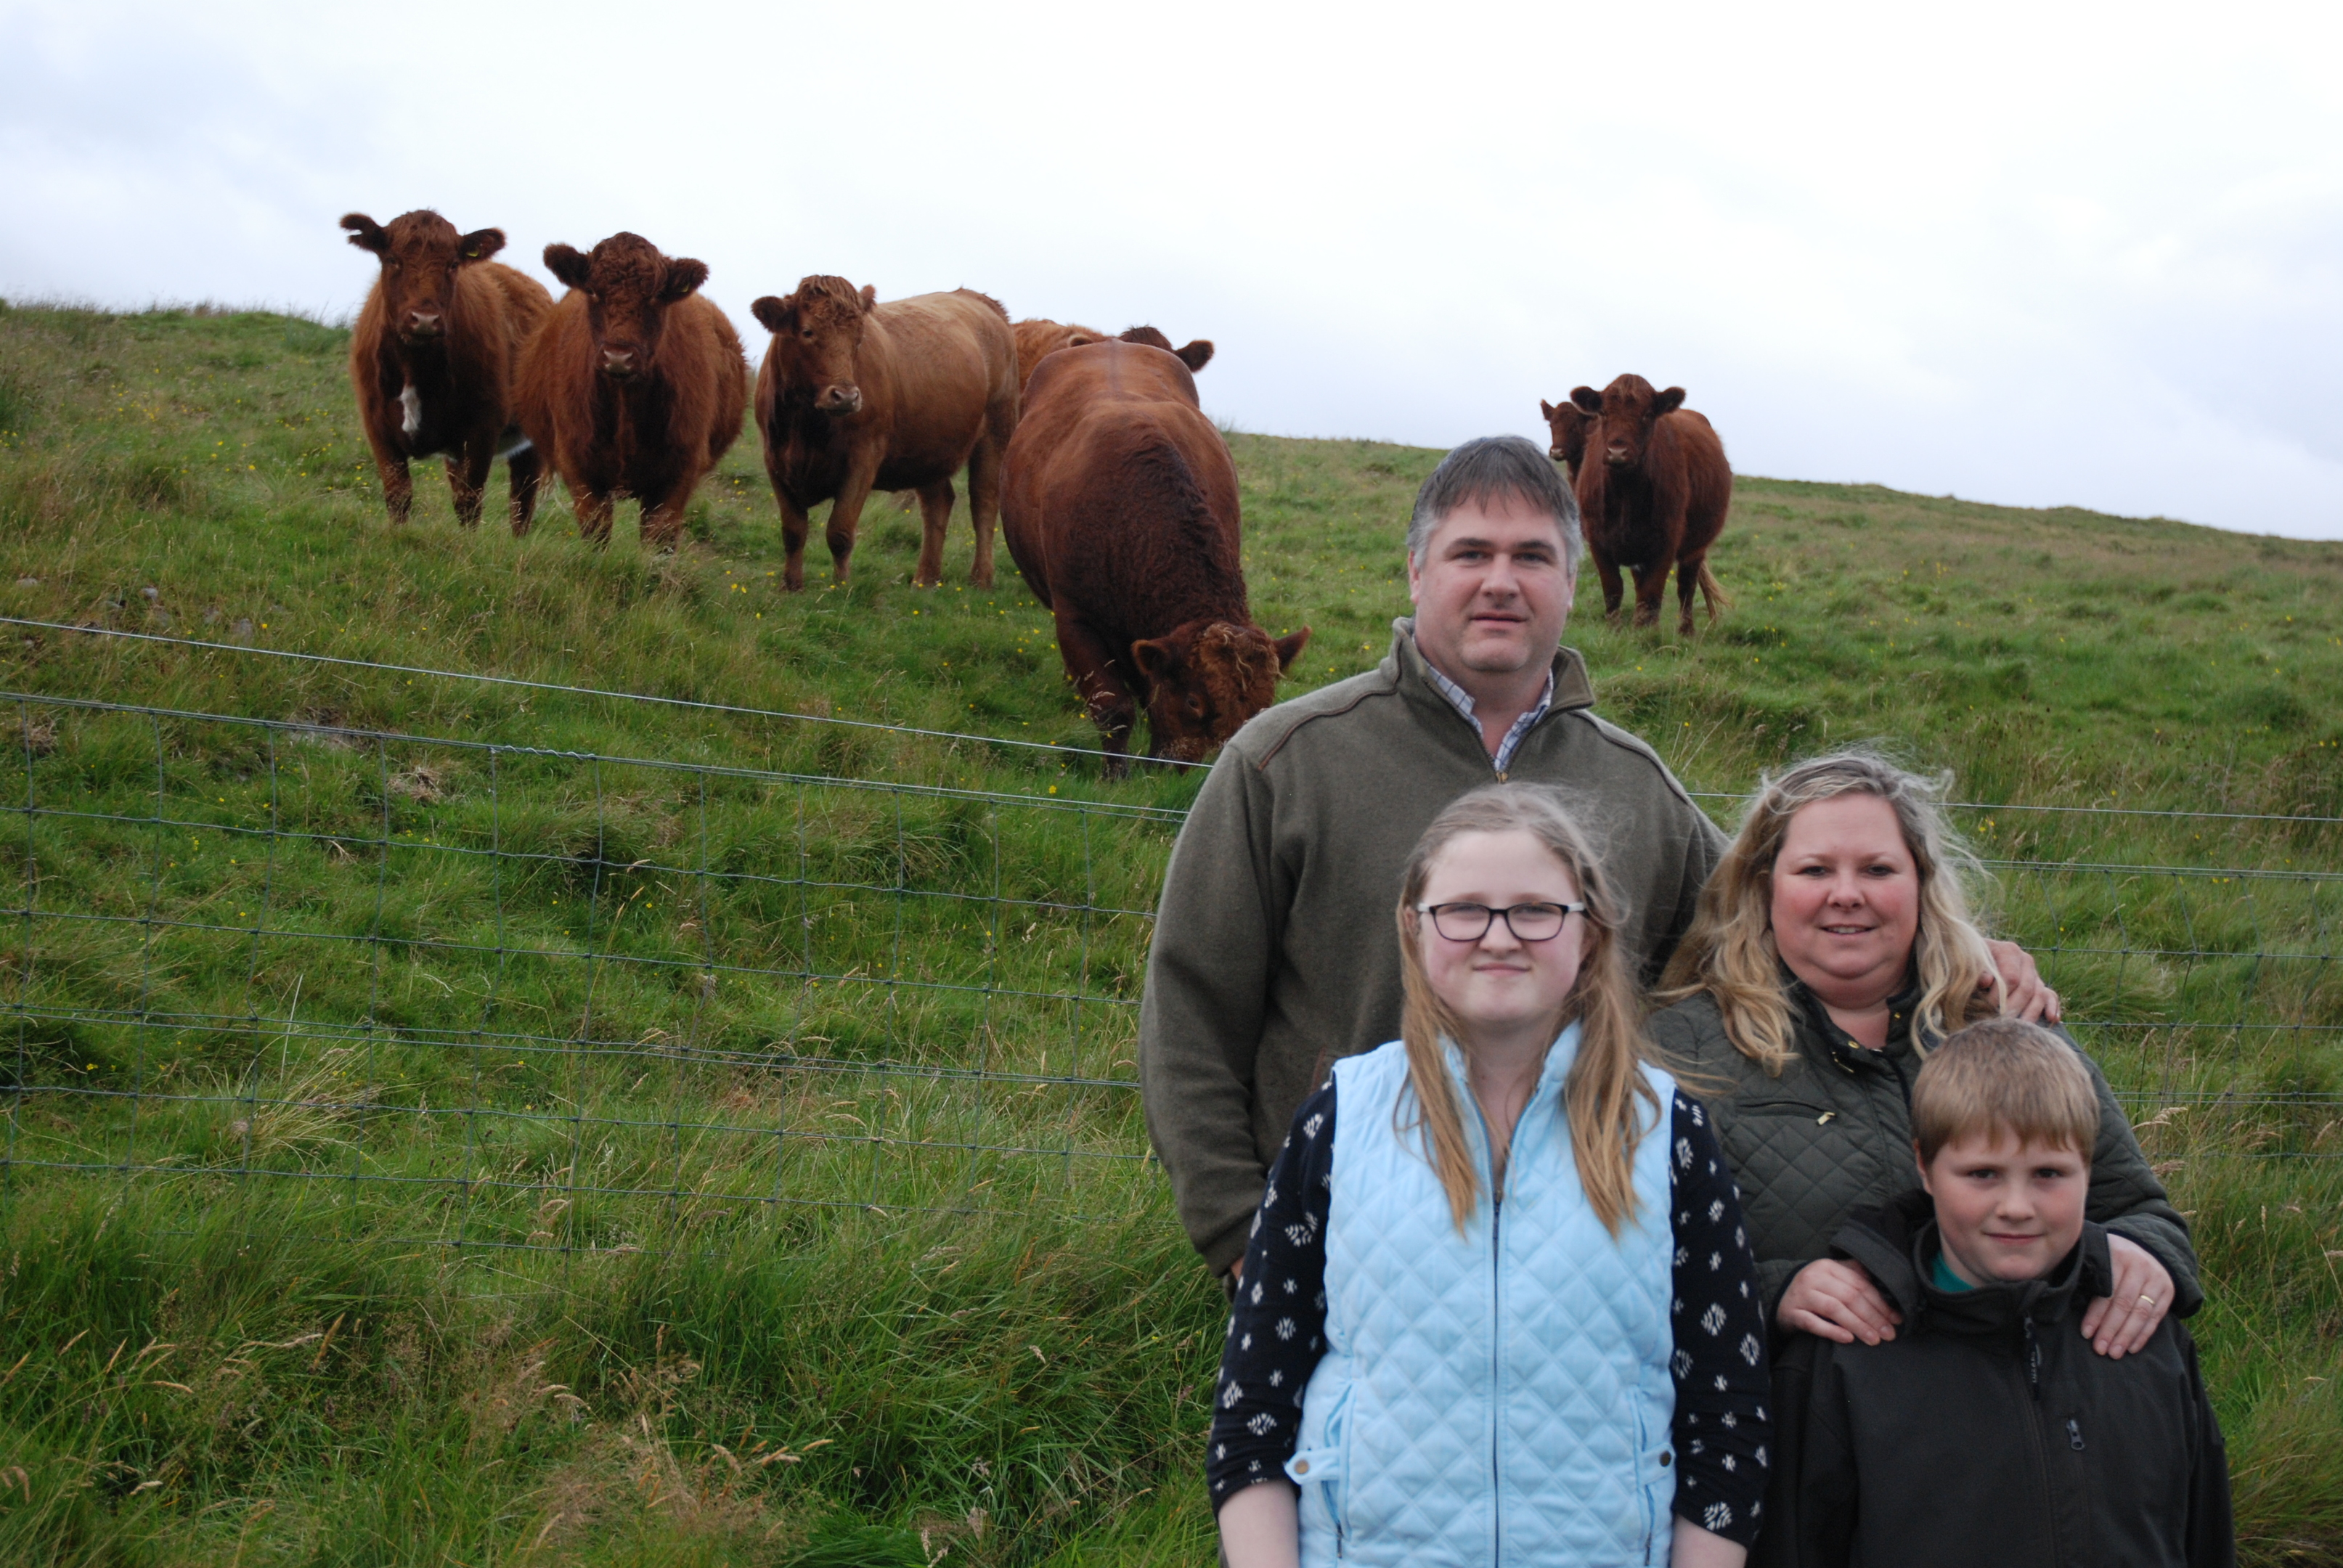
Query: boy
x: 1988, y: 1432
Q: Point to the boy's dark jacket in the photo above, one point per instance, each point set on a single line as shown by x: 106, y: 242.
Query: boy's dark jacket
x: 1988, y: 1430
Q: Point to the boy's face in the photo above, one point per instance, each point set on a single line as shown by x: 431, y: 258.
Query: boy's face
x: 2006, y: 1209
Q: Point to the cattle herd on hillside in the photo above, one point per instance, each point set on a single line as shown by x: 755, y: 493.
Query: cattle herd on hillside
x: 1116, y: 496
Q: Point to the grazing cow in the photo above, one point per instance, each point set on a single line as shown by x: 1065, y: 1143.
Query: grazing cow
x: 1037, y: 337
x: 1568, y: 424
x: 1656, y: 500
x: 1120, y: 507
x: 433, y: 359
x: 637, y: 385
x: 856, y: 396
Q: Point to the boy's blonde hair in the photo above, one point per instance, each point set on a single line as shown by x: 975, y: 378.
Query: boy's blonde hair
x: 1607, y: 1099
x: 2005, y: 1076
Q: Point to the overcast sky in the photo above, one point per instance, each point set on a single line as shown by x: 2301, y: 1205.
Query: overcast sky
x: 2038, y: 254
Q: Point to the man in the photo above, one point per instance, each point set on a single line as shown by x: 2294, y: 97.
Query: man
x: 1275, y: 951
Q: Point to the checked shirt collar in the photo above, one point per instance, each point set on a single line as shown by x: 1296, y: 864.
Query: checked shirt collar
x: 1462, y: 700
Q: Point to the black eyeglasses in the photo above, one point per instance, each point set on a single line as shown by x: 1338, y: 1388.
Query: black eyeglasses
x: 1528, y: 922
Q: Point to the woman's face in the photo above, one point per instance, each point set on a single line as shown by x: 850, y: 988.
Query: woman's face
x: 1501, y: 984
x: 1847, y: 899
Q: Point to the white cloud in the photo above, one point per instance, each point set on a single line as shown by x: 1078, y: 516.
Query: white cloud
x: 2038, y: 254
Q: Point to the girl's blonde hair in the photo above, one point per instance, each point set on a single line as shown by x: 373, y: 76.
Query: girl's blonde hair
x: 1601, y: 1095
x: 1730, y: 953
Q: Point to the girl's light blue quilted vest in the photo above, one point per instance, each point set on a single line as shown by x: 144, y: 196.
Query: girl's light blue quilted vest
x: 1497, y: 1397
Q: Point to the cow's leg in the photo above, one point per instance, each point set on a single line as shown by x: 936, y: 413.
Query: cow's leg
x: 846, y: 516
x: 1651, y: 584
x: 1687, y: 583
x: 663, y: 513
x: 935, y: 519
x: 468, y: 476
x: 397, y: 484
x: 1089, y: 664
x: 523, y: 472
x: 1613, y: 591
x: 984, y: 500
x: 795, y: 526
x: 593, y: 509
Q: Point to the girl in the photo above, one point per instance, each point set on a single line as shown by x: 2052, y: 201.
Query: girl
x: 1497, y: 1307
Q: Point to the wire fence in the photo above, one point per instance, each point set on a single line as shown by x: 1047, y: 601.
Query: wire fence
x: 484, y: 995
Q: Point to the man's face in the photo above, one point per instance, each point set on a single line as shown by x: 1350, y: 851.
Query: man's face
x: 2006, y: 1209
x: 1492, y: 593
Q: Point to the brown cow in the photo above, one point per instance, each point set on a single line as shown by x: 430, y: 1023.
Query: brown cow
x: 433, y: 359
x: 856, y: 396
x: 1119, y: 507
x: 1036, y: 337
x: 1567, y: 424
x: 1656, y: 501
x: 637, y: 385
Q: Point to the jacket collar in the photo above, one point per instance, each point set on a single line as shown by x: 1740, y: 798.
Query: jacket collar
x: 1896, y: 1242
x: 1839, y: 1048
x: 1405, y: 670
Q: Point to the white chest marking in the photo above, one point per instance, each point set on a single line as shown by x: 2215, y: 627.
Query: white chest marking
x: 412, y: 401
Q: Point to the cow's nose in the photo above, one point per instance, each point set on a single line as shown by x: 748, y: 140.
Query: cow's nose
x: 424, y: 321
x: 618, y: 361
x: 842, y: 399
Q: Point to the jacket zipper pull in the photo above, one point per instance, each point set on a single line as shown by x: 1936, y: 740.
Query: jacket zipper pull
x: 2074, y: 1435
x: 2033, y: 1359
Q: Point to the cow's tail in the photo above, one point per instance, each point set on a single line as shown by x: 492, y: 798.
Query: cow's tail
x: 1712, y: 594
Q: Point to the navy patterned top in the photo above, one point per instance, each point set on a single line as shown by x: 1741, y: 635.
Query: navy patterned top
x: 1276, y: 1333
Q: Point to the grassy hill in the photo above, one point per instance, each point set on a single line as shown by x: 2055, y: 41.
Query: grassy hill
x: 259, y: 1347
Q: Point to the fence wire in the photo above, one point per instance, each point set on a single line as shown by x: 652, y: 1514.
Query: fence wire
x: 491, y: 996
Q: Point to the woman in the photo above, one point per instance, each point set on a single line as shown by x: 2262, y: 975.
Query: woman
x: 1832, y: 946
x: 1496, y: 1305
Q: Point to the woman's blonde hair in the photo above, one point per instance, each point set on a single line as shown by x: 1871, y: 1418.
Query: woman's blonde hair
x: 1730, y: 953
x: 1600, y: 1097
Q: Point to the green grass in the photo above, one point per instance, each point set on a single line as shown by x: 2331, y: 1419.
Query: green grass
x: 617, y: 1008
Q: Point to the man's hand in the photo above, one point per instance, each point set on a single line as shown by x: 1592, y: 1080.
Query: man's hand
x: 2021, y: 982
x: 1837, y: 1301
x: 1692, y: 1547
x: 2121, y: 1321
x: 1236, y: 1271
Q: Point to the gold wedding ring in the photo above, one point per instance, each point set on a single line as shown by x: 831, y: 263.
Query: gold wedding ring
x: 2148, y: 1300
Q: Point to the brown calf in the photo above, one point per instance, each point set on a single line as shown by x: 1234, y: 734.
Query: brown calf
x: 433, y: 358
x: 1655, y: 500
x: 856, y: 396
x: 1036, y: 337
x: 635, y: 385
x: 1118, y: 503
x: 1567, y: 424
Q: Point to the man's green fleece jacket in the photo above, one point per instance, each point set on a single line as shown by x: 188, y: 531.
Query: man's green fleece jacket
x: 1276, y: 948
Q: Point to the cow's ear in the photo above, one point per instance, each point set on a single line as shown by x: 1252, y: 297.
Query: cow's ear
x: 1588, y: 398
x: 568, y: 264
x: 366, y: 234
x: 774, y: 313
x: 480, y: 244
x: 1195, y: 355
x: 870, y: 296
x: 1157, y: 658
x: 684, y: 275
x: 1669, y: 401
x: 1289, y: 648
x: 1545, y: 410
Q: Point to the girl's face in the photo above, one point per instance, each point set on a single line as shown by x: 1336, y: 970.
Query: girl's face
x: 1846, y: 896
x: 1500, y: 983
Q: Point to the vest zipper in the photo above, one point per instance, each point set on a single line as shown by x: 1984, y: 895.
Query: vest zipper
x: 1496, y: 1369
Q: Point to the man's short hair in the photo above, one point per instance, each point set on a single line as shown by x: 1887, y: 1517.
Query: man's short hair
x: 2005, y: 1076
x: 1490, y: 469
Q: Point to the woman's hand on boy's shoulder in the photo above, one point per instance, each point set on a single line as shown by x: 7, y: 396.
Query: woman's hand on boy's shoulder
x: 2020, y: 980
x: 2126, y: 1318
x: 1836, y: 1301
